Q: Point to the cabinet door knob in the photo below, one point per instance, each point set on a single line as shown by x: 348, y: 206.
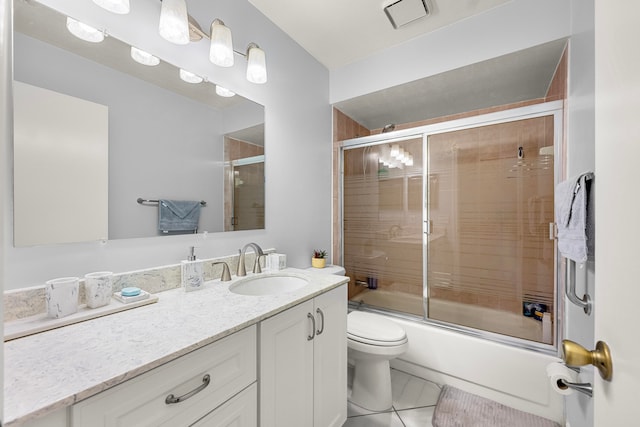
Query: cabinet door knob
x: 321, y: 328
x: 172, y: 399
x: 313, y: 327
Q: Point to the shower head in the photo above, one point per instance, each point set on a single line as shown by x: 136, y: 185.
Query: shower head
x: 388, y: 128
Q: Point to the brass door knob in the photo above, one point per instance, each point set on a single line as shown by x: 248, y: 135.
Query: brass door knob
x: 575, y: 355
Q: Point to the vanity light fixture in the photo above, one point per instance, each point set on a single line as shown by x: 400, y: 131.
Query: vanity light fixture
x: 120, y: 7
x: 224, y: 92
x: 189, y: 77
x: 177, y: 26
x: 84, y: 31
x: 221, y: 50
x: 174, y: 21
x: 144, y: 58
x: 257, y: 65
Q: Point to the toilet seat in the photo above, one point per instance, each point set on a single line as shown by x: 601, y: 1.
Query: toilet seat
x: 372, y: 329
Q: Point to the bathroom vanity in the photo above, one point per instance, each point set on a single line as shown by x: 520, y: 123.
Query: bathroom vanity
x: 192, y: 359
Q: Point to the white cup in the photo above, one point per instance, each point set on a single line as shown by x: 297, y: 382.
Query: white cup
x: 62, y: 296
x: 98, y: 288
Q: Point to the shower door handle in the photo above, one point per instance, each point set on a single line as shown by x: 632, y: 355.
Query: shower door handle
x: 427, y: 227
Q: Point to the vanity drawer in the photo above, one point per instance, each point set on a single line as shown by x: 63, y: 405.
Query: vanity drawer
x: 230, y: 364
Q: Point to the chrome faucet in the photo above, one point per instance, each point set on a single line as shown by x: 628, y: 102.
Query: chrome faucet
x: 256, y: 266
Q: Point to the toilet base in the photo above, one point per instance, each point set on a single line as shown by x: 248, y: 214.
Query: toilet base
x: 372, y: 385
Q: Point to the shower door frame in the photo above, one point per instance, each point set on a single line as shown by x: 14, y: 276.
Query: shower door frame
x: 555, y: 109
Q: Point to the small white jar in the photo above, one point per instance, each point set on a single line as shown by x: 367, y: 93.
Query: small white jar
x: 98, y: 288
x: 62, y: 296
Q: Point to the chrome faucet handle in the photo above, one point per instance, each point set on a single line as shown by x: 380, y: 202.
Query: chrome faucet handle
x: 256, y: 265
x: 242, y: 271
x: 226, y: 274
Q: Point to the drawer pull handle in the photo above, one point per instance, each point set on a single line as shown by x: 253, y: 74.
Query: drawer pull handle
x: 320, y: 330
x: 313, y: 326
x: 172, y: 399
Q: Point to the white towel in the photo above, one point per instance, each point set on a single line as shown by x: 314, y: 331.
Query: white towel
x: 571, y: 203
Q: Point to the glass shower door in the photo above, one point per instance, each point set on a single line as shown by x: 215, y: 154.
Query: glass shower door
x: 383, y: 224
x: 491, y: 262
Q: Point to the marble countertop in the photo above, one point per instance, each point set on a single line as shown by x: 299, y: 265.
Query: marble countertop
x: 57, y: 368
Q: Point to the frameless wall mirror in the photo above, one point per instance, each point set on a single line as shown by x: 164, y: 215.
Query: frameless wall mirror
x: 155, y: 136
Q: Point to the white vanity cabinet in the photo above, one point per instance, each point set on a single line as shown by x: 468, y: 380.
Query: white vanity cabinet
x: 221, y: 375
x: 303, y: 364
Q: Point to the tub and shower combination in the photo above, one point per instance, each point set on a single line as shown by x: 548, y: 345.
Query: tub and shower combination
x: 448, y: 230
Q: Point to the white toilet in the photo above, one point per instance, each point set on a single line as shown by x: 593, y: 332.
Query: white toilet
x: 372, y: 341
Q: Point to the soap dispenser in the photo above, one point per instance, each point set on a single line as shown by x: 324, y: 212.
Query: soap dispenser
x: 192, y: 272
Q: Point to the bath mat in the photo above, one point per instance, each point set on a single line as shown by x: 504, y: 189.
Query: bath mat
x: 457, y: 408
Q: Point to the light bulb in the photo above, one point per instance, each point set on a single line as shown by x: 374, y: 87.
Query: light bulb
x: 395, y: 149
x: 116, y: 6
x: 221, y: 49
x: 257, y: 65
x: 224, y: 92
x: 84, y: 31
x: 189, y: 77
x: 144, y: 58
x: 174, y: 21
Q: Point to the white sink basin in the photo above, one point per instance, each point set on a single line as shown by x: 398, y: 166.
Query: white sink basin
x: 268, y: 285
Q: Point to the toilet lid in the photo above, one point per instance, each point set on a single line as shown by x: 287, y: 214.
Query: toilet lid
x: 374, y: 329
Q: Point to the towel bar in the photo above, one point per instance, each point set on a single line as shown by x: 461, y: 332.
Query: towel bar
x: 570, y: 289
x: 143, y: 201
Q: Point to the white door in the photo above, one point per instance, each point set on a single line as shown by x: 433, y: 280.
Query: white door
x: 6, y: 21
x: 617, y: 287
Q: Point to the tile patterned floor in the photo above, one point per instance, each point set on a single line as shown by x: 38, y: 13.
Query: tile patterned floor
x: 414, y: 401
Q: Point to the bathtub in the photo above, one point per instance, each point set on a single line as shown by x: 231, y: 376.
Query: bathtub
x: 513, y: 376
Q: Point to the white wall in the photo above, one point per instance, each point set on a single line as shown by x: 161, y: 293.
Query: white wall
x: 580, y: 129
x: 298, y: 147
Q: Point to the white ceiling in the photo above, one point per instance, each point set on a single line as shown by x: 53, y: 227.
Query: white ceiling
x: 337, y: 32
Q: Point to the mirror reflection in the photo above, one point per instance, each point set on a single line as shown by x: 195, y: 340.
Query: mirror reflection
x: 166, y: 139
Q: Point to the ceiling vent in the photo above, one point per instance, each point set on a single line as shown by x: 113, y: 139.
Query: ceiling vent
x: 402, y: 12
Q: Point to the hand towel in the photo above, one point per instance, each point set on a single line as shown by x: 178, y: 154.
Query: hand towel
x: 178, y: 215
x: 571, y: 204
